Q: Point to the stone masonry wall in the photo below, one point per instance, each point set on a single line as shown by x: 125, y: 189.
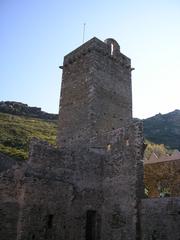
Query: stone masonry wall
x: 45, y: 195
x: 10, y: 185
x: 160, y: 219
x: 96, y: 92
x: 60, y: 187
x: 122, y: 176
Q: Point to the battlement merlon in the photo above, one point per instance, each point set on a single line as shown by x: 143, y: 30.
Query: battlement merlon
x: 107, y: 48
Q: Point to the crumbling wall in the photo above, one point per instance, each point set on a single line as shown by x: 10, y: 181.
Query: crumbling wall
x: 160, y: 219
x: 9, y: 212
x: 58, y: 189
x: 45, y: 195
x: 95, y: 183
x: 44, y: 208
x: 10, y: 174
x: 122, y: 182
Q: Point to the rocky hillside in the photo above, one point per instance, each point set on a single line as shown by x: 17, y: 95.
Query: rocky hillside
x: 19, y: 123
x: 164, y: 129
x: 21, y: 109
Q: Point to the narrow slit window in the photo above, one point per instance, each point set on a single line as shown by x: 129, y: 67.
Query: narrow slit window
x: 108, y: 147
x: 91, y: 225
x: 112, y: 49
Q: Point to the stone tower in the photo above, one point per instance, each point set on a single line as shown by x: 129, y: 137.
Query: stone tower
x: 96, y: 91
x: 91, y: 188
x: 105, y: 146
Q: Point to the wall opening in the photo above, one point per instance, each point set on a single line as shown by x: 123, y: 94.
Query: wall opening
x: 112, y: 49
x: 108, y: 147
x: 50, y: 221
x: 91, y: 225
x: 48, y: 226
x: 127, y: 142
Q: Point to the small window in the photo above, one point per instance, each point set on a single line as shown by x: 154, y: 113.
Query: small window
x: 112, y: 49
x: 108, y: 147
x: 127, y: 142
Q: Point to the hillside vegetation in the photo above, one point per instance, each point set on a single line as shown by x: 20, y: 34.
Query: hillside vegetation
x: 17, y: 131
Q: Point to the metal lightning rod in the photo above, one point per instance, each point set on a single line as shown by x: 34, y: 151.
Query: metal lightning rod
x: 84, y: 26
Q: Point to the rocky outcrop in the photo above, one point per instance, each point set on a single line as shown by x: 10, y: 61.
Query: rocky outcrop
x: 164, y: 129
x: 21, y: 109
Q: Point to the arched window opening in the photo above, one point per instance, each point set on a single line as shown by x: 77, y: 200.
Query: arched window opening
x: 112, y: 49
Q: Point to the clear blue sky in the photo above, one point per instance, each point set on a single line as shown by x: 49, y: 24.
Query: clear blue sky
x: 36, y: 34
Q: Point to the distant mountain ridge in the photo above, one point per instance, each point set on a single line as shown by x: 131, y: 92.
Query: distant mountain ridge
x: 19, y: 123
x: 164, y: 129
x: 21, y: 109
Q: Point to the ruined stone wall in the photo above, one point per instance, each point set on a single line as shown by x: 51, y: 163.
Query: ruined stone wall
x: 58, y: 189
x: 122, y: 182
x: 10, y: 174
x: 9, y: 212
x: 43, y: 211
x: 44, y: 195
x: 160, y: 219
x: 96, y: 91
x: 33, y: 198
x: 61, y: 188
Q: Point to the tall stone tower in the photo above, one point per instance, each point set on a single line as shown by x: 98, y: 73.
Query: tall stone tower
x: 90, y: 188
x: 96, y: 91
x: 104, y: 146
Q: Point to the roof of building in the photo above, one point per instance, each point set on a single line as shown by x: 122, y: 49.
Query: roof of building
x: 163, y: 158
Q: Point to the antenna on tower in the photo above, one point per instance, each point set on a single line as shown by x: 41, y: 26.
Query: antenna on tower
x: 84, y: 27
